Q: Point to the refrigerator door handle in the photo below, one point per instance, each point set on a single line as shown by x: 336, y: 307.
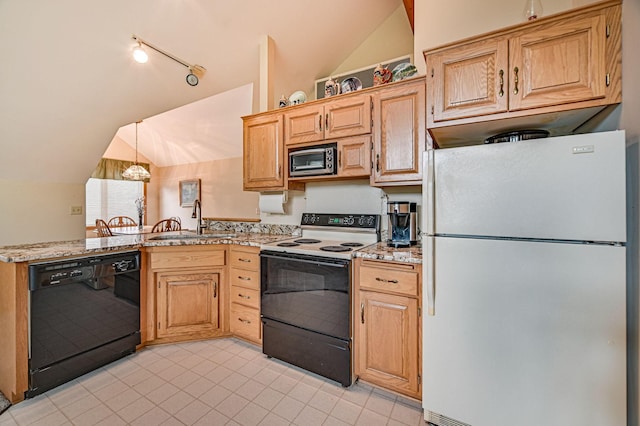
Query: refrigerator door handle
x: 429, y: 193
x: 430, y: 275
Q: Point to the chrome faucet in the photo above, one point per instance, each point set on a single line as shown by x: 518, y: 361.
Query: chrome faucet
x: 197, y: 214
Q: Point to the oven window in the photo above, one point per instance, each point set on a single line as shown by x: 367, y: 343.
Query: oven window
x: 307, y: 294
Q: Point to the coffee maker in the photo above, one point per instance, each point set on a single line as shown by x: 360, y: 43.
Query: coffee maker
x: 402, y: 219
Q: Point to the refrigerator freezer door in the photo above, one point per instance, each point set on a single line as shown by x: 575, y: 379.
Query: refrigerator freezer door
x: 570, y: 187
x: 526, y: 333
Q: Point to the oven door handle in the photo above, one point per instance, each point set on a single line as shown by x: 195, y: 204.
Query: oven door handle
x: 315, y: 262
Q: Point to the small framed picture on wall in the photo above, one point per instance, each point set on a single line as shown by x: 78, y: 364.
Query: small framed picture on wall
x: 189, y: 192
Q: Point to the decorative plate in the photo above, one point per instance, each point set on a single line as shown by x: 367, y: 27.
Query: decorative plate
x: 350, y: 84
x: 403, y: 70
x: 298, y: 97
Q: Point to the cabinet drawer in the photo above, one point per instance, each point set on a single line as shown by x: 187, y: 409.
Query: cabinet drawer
x: 245, y: 296
x: 245, y: 322
x: 187, y: 259
x: 389, y: 280
x: 245, y: 259
x: 244, y: 278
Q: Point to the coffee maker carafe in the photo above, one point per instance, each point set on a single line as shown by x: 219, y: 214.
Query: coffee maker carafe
x: 402, y: 224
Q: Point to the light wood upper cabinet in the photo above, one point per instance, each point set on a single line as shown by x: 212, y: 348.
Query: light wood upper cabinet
x: 331, y: 119
x: 559, y: 64
x: 263, y: 167
x: 399, y: 134
x: 387, y: 331
x: 354, y: 157
x: 554, y: 73
x: 470, y: 80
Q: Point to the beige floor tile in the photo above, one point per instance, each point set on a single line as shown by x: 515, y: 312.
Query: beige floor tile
x: 268, y: 398
x: 32, y: 409
x: 54, y: 419
x: 274, y: 420
x: 192, y: 412
x: 283, y: 384
x: 199, y: 387
x: 123, y: 399
x: 112, y: 420
x: 302, y: 392
x: 92, y: 416
x: 346, y: 411
x: 213, y: 417
x: 288, y: 408
x: 111, y: 390
x: 266, y: 376
x: 233, y: 381
x: 332, y: 421
x: 371, y: 418
x: 79, y: 406
x: 323, y: 401
x: 310, y: 416
x: 177, y: 402
x: 232, y: 405
x: 218, y: 374
x: 379, y: 404
x: 214, y: 396
x: 172, y: 372
x: 204, y: 367
x: 136, y: 409
x: 251, y: 415
x: 250, y: 389
x: 406, y: 414
x: 148, y: 385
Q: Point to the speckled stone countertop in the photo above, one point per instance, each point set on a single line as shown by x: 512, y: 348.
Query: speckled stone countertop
x: 380, y: 251
x: 59, y: 249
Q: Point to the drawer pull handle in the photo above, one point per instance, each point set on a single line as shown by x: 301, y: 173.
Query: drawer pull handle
x: 362, y: 313
x: 244, y: 321
x: 386, y: 281
x: 243, y: 296
x: 501, y: 92
x: 244, y: 278
x: 215, y: 290
x: 515, y: 81
x: 320, y: 121
x: 243, y: 260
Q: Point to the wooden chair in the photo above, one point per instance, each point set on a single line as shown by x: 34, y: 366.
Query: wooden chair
x: 103, y: 229
x: 166, y: 225
x: 121, y: 222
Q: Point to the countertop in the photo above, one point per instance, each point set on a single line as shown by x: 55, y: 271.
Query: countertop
x: 381, y: 251
x: 59, y: 249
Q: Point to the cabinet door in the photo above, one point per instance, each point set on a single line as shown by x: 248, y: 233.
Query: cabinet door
x: 187, y: 303
x: 304, y: 124
x: 263, y: 153
x: 354, y: 157
x: 386, y: 338
x: 350, y: 116
x: 469, y: 80
x: 558, y: 64
x: 399, y: 134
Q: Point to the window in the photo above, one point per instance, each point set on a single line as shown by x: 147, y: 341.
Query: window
x: 106, y: 198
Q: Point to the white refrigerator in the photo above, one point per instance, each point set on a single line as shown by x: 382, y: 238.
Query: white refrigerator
x: 524, y: 283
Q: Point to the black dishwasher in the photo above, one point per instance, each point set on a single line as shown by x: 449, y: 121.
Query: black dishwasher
x: 84, y: 313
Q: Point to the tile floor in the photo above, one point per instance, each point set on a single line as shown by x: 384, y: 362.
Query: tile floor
x: 216, y: 382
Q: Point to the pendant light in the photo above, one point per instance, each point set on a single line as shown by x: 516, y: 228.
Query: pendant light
x: 136, y: 171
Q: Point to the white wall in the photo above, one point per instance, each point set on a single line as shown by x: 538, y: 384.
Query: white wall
x: 34, y: 212
x: 221, y: 190
x: 439, y: 22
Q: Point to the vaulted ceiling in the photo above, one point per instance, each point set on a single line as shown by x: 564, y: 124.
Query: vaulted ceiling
x: 68, y: 83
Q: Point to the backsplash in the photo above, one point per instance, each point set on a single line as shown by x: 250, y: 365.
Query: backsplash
x: 252, y: 227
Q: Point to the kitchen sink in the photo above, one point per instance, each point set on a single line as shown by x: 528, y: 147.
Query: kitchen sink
x: 191, y: 235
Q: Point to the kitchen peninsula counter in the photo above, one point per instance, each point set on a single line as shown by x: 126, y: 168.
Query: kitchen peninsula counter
x: 60, y: 249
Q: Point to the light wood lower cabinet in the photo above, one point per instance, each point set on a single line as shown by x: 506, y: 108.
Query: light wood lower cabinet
x: 187, y: 293
x: 244, y: 311
x: 188, y: 302
x: 387, y: 331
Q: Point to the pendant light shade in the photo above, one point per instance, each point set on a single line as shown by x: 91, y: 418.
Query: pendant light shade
x: 136, y: 171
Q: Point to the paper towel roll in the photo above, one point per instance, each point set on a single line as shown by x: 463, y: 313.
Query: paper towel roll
x: 272, y: 203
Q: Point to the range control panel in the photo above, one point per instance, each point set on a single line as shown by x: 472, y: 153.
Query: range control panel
x: 340, y: 220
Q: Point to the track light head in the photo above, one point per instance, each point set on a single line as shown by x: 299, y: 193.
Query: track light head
x: 139, y: 54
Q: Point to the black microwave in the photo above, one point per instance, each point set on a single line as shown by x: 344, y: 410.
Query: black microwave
x: 313, y: 161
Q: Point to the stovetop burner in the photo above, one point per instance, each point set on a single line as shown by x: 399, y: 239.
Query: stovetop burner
x: 335, y: 249
x: 352, y: 244
x: 330, y: 235
x: 307, y: 241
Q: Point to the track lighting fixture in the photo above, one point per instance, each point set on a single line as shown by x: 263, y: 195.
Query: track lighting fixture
x: 195, y: 71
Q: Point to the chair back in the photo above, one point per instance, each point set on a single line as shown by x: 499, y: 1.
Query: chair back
x: 103, y: 229
x: 166, y: 225
x: 121, y: 222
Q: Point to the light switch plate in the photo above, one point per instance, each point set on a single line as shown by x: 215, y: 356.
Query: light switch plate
x: 76, y: 210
